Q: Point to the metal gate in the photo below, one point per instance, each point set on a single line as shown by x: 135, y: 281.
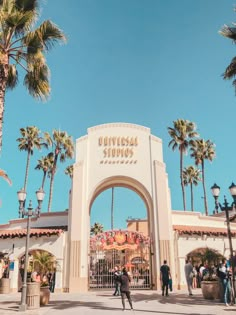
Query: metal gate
x: 123, y: 249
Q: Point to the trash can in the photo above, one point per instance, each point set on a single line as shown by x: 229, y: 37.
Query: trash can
x: 33, y: 295
x: 4, y: 286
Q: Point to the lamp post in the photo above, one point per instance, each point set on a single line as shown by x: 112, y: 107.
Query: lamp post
x: 29, y: 213
x: 226, y: 207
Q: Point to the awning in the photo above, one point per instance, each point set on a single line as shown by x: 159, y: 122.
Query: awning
x: 33, y: 232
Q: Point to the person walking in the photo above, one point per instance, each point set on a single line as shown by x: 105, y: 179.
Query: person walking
x: 188, y: 269
x: 116, y: 276
x: 165, y: 277
x: 124, y: 288
x: 224, y: 274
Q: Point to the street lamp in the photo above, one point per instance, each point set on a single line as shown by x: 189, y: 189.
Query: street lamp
x: 215, y: 189
x: 29, y: 213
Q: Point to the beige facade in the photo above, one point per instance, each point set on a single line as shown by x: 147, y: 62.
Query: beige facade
x: 117, y: 155
x: 126, y: 155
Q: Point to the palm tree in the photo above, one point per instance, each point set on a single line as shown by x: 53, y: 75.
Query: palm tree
x: 63, y: 148
x: 21, y: 46
x: 43, y: 262
x: 30, y: 140
x: 230, y: 71
x: 96, y: 229
x: 183, y: 131
x: 45, y: 164
x: 69, y: 171
x: 191, y: 176
x: 202, y: 150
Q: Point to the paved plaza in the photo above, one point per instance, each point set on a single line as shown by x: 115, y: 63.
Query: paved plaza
x: 103, y: 302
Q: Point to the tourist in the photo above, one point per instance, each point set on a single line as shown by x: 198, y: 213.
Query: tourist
x: 224, y: 274
x: 124, y: 288
x: 116, y: 276
x: 188, y: 269
x: 194, y: 284
x: 165, y: 276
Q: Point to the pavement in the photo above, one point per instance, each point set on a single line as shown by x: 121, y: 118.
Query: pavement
x: 145, y: 302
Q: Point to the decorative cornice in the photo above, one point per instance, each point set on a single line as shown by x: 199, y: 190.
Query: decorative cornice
x: 156, y: 139
x: 120, y: 124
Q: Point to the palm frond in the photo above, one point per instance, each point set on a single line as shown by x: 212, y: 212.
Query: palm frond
x: 12, y: 78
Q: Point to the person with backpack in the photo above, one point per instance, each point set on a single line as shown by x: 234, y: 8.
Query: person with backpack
x: 124, y: 288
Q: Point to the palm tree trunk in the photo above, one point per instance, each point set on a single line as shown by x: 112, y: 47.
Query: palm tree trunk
x: 191, y: 188
x: 204, y: 188
x: 44, y: 178
x: 112, y: 208
x: 50, y: 193
x: 3, y: 81
x: 27, y: 171
x: 181, y: 179
x: 52, y: 181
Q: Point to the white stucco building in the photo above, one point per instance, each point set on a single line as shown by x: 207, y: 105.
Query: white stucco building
x: 116, y: 155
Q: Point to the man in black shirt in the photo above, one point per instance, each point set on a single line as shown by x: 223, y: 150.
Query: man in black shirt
x: 164, y: 277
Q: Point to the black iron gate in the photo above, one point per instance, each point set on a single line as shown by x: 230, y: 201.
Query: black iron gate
x: 122, y: 249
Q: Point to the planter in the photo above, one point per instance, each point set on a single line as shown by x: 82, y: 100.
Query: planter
x: 211, y: 290
x: 32, y: 295
x: 44, y: 295
x: 4, y: 286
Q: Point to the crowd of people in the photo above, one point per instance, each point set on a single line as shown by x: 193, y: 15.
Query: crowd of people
x: 195, y: 274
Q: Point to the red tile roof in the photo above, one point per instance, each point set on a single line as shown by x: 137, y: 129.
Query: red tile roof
x: 187, y: 229
x: 33, y: 232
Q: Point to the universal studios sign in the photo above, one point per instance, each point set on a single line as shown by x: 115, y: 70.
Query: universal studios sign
x: 118, y: 149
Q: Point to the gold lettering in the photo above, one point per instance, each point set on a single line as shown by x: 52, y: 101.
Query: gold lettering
x: 105, y: 153
x: 105, y: 141
x: 100, y: 141
x: 114, y: 141
x: 118, y: 141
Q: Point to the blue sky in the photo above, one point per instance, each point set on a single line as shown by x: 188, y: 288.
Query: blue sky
x: 136, y: 61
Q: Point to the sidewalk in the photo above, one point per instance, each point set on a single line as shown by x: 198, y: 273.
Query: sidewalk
x: 103, y: 302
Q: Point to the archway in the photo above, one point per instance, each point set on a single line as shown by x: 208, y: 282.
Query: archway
x: 118, y: 155
x: 42, y: 267
x: 125, y: 241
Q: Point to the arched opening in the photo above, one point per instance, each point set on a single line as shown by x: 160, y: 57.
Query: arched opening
x: 205, y: 262
x: 122, y: 235
x: 42, y: 267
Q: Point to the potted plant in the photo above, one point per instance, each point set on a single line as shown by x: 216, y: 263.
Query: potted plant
x: 210, y: 285
x: 4, y: 281
x: 44, y: 291
x: 44, y: 263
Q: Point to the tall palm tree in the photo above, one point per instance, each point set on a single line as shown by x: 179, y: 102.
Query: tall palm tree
x: 202, y: 150
x: 230, y: 71
x: 24, y: 47
x: 191, y: 176
x: 181, y: 133
x: 69, y: 171
x: 96, y: 228
x: 30, y: 140
x: 63, y: 148
x: 45, y: 164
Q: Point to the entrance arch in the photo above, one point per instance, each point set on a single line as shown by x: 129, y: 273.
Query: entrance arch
x: 124, y: 155
x: 125, y: 182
